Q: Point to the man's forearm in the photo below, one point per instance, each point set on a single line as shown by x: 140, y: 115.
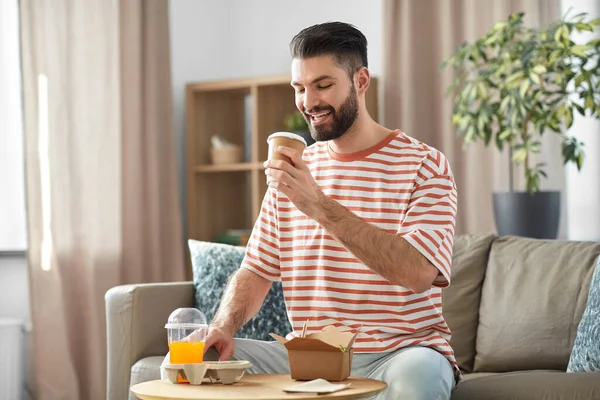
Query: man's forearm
x: 387, y: 254
x: 242, y: 300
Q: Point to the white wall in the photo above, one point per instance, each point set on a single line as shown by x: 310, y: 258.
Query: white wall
x: 14, y: 306
x: 14, y: 288
x: 12, y: 194
x: 238, y: 38
x: 583, y: 187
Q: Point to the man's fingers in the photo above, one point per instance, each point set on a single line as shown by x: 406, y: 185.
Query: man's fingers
x: 294, y: 155
x: 280, y: 165
x: 209, y: 342
x: 226, y: 351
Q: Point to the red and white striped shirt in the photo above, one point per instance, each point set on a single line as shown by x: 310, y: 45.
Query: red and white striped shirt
x: 401, y: 186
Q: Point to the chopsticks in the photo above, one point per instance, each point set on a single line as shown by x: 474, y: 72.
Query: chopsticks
x: 304, y: 328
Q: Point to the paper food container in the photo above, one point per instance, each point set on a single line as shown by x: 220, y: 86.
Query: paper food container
x: 326, y: 354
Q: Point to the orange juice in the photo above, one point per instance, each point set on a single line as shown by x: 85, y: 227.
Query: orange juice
x: 186, y: 353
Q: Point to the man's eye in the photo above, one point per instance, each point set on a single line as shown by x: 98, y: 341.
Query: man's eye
x: 326, y: 86
x: 299, y: 90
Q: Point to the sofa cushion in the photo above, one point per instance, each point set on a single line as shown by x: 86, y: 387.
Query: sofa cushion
x: 533, y: 296
x: 144, y: 370
x: 585, y: 356
x: 529, y: 385
x: 212, y: 266
x: 461, y: 298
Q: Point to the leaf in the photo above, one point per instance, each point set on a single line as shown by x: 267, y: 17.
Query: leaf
x: 470, y: 135
x: 580, y: 78
x: 554, y: 56
x: 565, y: 32
x: 557, y: 34
x: 534, y: 77
x: 487, y: 135
x: 499, y: 143
x: 522, y: 110
x: 569, y: 117
x: 534, y: 148
x: 515, y: 76
x: 533, y: 181
x: 505, y: 134
x: 456, y: 118
x: 580, y: 109
x: 481, y: 121
x: 589, y: 103
x: 579, y: 161
x: 584, y: 27
x: 472, y: 92
x: 561, y: 111
x: 499, y: 25
x: 539, y: 69
x: 481, y: 90
x: 579, y: 50
x: 504, y: 103
x: 520, y: 155
x: 524, y: 86
x: 535, y: 184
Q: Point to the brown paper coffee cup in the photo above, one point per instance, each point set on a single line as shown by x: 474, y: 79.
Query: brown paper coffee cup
x: 287, y: 139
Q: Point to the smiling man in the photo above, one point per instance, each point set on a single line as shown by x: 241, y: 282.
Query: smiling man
x: 359, y: 228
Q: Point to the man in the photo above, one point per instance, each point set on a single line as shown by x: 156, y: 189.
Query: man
x: 359, y: 229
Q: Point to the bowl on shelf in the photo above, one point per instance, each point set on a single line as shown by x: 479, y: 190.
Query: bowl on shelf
x: 226, y: 155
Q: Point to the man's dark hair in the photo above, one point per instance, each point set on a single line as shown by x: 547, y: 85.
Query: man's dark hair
x: 343, y: 41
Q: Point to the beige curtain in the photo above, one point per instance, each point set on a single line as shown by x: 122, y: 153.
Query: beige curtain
x: 418, y: 36
x: 102, y: 199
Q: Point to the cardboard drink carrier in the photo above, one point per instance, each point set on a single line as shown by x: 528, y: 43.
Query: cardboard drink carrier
x: 326, y: 354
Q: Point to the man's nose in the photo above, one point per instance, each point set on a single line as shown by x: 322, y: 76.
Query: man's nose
x: 311, y: 100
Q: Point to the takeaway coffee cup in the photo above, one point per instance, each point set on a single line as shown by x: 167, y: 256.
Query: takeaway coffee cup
x: 287, y: 139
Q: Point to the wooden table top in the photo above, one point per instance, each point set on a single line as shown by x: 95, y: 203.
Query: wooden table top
x: 252, y: 387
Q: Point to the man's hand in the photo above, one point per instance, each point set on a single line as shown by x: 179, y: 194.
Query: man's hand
x: 222, y: 340
x: 295, y: 181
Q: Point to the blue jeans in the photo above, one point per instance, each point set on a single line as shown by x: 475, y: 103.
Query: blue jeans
x: 413, y: 373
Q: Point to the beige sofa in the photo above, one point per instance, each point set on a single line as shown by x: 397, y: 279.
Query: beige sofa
x: 514, y: 306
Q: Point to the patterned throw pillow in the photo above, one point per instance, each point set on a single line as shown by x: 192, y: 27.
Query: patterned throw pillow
x: 585, y: 356
x: 212, y: 265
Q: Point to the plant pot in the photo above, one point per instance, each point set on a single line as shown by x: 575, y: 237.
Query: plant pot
x: 522, y: 214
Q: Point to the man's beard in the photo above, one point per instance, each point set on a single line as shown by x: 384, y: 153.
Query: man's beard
x: 342, y: 119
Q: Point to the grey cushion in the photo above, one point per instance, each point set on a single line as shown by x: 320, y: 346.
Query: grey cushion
x: 532, y: 300
x: 146, y: 369
x: 585, y: 356
x: 213, y: 264
x: 529, y: 385
x: 461, y: 298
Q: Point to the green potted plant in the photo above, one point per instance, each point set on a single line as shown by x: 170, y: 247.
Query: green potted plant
x: 512, y: 86
x: 295, y: 122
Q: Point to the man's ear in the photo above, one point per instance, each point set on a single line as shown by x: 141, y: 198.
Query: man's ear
x: 362, y: 79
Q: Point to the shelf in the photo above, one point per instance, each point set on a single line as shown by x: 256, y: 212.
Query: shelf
x: 228, y: 167
x: 240, y: 84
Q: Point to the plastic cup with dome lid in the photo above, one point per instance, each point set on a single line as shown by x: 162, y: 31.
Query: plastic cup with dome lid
x: 186, y: 332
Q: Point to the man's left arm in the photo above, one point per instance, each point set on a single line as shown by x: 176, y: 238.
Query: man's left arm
x: 416, y: 257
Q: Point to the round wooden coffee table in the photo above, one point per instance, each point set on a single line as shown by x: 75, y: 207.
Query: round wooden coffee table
x: 251, y: 387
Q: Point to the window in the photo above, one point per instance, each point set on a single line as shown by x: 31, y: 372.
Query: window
x: 12, y: 179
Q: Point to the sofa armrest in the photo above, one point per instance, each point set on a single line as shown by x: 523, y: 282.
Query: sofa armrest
x: 135, y: 320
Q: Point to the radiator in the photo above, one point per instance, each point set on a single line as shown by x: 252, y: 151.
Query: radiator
x: 11, y: 359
